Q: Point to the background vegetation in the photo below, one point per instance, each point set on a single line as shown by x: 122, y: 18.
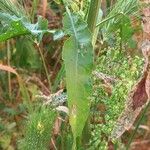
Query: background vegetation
x: 68, y: 69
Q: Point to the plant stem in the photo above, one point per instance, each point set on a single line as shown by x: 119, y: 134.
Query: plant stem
x: 45, y: 68
x: 8, y: 63
x: 34, y: 9
x: 81, y: 5
x: 137, y: 126
x: 92, y: 19
x: 58, y: 78
x: 44, y: 8
x: 108, y: 3
x: 93, y: 14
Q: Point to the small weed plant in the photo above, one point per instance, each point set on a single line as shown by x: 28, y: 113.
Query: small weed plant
x: 108, y: 105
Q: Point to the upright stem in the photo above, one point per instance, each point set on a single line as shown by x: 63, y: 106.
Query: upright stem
x: 34, y: 9
x: 44, y: 8
x: 92, y: 19
x: 93, y: 15
x: 81, y: 4
x: 45, y: 68
x: 8, y: 63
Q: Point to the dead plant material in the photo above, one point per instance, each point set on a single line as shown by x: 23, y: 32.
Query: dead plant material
x: 39, y: 83
x: 44, y: 7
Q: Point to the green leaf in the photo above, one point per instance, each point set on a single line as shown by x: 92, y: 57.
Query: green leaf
x: 13, y: 26
x: 120, y: 11
x: 78, y: 60
x: 126, y: 29
x: 74, y: 25
x: 26, y: 56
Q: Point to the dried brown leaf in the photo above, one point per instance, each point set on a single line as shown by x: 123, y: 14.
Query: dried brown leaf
x: 8, y: 69
x: 23, y: 90
x: 57, y: 126
x: 148, y: 85
x: 140, y: 96
x: 44, y: 7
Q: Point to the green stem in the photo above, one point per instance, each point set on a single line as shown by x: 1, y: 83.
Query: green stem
x: 108, y: 3
x: 45, y: 68
x: 93, y: 14
x: 58, y: 78
x: 34, y: 9
x: 8, y: 63
x: 137, y: 126
x: 74, y: 147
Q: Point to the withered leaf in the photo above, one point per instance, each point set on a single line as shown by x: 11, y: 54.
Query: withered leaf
x: 148, y: 85
x: 140, y: 95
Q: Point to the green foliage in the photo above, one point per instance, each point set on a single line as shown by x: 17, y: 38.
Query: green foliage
x: 118, y: 19
x: 120, y: 10
x: 38, y: 129
x: 119, y: 65
x: 13, y: 26
x: 8, y: 6
x: 26, y: 55
x: 78, y: 60
x: 81, y: 7
x: 79, y: 25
